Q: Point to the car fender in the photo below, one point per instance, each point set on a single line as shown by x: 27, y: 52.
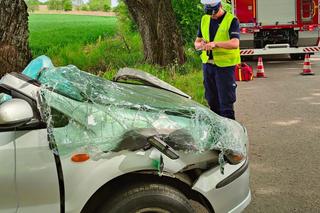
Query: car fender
x: 82, y: 180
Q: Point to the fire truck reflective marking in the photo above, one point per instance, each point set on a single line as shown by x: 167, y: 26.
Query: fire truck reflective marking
x: 246, y: 52
x: 311, y: 49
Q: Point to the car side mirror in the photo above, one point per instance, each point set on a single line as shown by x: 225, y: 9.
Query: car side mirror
x: 15, y: 112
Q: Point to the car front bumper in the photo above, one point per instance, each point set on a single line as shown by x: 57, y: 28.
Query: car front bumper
x: 228, y: 192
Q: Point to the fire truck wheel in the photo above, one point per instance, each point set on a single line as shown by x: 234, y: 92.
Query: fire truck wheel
x: 297, y: 56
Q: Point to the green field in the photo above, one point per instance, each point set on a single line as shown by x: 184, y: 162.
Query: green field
x: 49, y: 33
x: 98, y: 45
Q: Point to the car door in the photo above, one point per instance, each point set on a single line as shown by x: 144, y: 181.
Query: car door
x: 8, y: 198
x: 37, y: 179
x: 28, y: 170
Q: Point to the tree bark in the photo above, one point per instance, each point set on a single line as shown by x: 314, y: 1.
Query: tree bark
x: 14, y: 49
x: 160, y: 35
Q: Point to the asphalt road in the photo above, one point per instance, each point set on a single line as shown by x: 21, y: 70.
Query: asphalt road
x: 282, y: 115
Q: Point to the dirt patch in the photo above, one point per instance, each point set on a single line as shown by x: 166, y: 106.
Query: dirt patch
x: 43, y: 9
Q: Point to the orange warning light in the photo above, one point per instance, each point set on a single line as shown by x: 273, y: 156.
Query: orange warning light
x: 80, y: 157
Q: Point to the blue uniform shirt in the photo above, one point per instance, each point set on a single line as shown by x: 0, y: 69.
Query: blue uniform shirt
x: 234, y: 31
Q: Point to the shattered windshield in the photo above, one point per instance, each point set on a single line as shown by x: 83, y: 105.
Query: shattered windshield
x: 83, y: 110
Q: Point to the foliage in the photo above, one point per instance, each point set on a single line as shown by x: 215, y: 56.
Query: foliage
x: 91, y: 43
x: 188, y: 15
x: 227, y: 5
x: 106, y: 7
x: 55, y: 4
x: 126, y: 22
x: 99, y: 5
x: 33, y: 5
x: 67, y: 5
x: 84, y: 7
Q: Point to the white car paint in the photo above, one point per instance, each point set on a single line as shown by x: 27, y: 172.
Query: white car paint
x: 29, y: 180
x: 37, y: 180
x: 8, y: 199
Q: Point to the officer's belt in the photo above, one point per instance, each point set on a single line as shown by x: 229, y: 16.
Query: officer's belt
x: 210, y: 61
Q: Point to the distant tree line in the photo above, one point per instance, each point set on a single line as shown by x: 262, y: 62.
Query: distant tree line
x: 94, y: 5
x: 68, y: 5
x: 65, y: 5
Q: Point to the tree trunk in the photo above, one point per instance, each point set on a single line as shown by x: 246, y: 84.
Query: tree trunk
x: 14, y: 48
x: 160, y: 35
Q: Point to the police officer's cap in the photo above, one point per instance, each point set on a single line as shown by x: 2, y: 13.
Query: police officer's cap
x: 211, y: 2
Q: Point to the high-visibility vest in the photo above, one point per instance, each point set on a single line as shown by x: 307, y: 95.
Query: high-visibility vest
x: 221, y: 57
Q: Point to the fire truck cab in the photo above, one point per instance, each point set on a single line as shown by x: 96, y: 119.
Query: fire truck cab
x: 278, y: 26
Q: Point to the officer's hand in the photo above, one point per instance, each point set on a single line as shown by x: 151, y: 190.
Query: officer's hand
x: 210, y: 46
x: 203, y: 44
x: 200, y: 45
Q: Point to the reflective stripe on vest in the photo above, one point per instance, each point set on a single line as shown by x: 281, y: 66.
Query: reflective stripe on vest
x: 221, y: 57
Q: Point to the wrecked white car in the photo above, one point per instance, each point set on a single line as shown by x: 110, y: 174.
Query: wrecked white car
x: 74, y: 142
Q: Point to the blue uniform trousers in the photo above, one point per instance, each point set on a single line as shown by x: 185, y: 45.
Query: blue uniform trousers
x: 220, y: 89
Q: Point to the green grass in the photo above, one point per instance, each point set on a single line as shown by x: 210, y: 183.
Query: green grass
x: 50, y: 33
x: 96, y: 45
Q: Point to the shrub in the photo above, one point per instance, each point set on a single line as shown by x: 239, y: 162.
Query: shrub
x: 84, y: 7
x: 106, y: 7
x: 188, y: 15
x: 67, y: 5
x: 126, y: 23
x: 227, y: 5
x: 99, y: 5
x: 55, y: 4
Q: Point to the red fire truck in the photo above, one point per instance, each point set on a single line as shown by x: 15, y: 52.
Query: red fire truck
x: 278, y: 27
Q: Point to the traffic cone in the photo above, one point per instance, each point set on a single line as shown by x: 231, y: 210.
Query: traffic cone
x: 260, y: 68
x: 307, y: 66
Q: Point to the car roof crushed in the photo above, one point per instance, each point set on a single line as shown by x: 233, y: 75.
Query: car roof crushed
x: 106, y: 116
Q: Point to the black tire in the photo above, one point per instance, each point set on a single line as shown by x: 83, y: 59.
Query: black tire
x: 246, y: 58
x: 147, y: 198
x: 297, y: 56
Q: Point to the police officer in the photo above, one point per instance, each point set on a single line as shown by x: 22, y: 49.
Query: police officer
x: 218, y: 38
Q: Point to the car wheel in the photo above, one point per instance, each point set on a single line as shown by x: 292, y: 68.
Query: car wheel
x: 148, y: 198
